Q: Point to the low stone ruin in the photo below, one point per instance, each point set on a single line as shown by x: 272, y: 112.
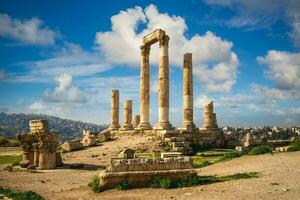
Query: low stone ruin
x: 140, y: 172
x: 89, y: 138
x: 39, y: 147
x: 72, y: 145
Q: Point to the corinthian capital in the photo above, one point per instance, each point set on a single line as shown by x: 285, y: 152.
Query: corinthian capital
x: 145, y: 50
x: 164, y: 40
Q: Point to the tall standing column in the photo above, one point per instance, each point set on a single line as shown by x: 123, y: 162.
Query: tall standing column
x: 127, y: 115
x: 188, y: 92
x: 144, y: 89
x: 115, y: 99
x: 163, y: 84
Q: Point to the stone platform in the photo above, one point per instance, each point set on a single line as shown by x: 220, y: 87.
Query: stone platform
x: 183, y: 140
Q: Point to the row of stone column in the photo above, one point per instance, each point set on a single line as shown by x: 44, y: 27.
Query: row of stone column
x: 129, y: 123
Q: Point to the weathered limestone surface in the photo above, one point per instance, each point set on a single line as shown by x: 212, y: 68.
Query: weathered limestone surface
x: 144, y: 89
x: 115, y: 101
x: 210, y: 120
x: 39, y: 146
x: 104, y: 135
x: 136, y: 121
x: 127, y: 115
x: 139, y: 172
x: 71, y: 145
x: 188, y: 92
x: 89, y: 138
x: 163, y: 95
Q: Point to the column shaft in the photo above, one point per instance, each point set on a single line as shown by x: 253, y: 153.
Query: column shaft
x: 144, y: 89
x: 188, y: 92
x: 127, y: 115
x: 115, y: 99
x: 163, y: 85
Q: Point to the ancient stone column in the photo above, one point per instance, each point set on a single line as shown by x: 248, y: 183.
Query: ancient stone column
x: 188, y: 92
x: 163, y: 85
x: 115, y: 99
x: 144, y: 89
x: 136, y: 121
x: 210, y: 119
x: 127, y: 115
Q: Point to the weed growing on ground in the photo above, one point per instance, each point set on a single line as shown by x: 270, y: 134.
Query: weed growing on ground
x: 260, y: 150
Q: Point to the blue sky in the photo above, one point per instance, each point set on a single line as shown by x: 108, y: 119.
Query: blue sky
x: 64, y: 58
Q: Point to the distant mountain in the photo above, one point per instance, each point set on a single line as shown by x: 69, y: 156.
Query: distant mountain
x: 12, y: 124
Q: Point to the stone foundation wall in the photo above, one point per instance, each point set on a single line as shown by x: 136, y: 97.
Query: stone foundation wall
x: 149, y: 164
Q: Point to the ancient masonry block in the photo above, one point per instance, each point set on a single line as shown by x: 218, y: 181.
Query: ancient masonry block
x: 39, y: 147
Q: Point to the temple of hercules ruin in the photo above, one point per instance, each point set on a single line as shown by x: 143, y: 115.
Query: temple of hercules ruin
x: 183, y: 138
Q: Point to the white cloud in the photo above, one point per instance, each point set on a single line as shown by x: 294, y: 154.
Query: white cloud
x: 283, y: 68
x: 256, y: 14
x: 71, y: 59
x: 65, y: 91
x: 216, y: 71
x: 252, y: 14
x: 28, y: 31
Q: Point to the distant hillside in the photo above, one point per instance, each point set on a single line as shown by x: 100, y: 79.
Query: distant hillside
x: 11, y: 124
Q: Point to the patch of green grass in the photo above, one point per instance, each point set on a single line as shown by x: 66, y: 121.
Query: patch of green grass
x: 124, y: 185
x: 230, y: 156
x: 193, y: 180
x: 10, y: 159
x: 260, y: 150
x: 17, y: 195
x: 95, y: 184
x: 203, y: 164
x: 294, y: 146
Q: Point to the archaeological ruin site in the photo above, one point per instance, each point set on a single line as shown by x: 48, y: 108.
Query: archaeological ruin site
x: 183, y: 138
x: 138, y: 154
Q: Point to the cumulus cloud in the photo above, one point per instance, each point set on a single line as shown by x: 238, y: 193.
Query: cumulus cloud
x: 65, y: 91
x: 216, y: 71
x: 29, y: 31
x: 283, y: 68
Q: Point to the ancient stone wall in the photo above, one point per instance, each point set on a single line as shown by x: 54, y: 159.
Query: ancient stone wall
x: 149, y: 164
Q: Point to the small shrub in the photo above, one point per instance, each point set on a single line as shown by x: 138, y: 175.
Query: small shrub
x: 17, y: 195
x: 260, y: 150
x: 166, y: 146
x: 161, y: 182
x: 3, y: 141
x: 294, y: 146
x: 14, y: 143
x: 8, y: 168
x: 124, y: 185
x: 95, y: 184
x: 230, y: 155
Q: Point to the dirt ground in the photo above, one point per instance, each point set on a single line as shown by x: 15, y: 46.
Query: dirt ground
x: 280, y: 177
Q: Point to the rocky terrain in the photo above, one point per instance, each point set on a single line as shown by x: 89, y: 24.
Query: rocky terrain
x: 12, y: 124
x: 279, y: 177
